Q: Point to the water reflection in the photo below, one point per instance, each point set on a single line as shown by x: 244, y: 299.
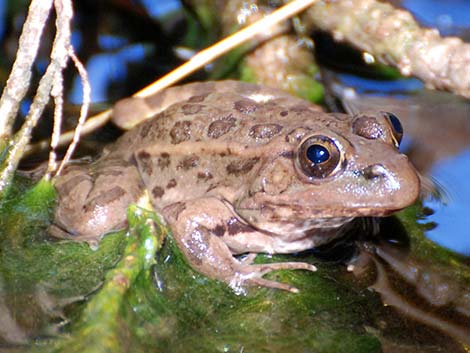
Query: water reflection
x: 453, y: 226
x: 437, y: 140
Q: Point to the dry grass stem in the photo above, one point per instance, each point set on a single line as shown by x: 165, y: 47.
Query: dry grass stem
x: 20, y: 76
x: 58, y: 94
x: 83, y: 109
x: 59, y: 57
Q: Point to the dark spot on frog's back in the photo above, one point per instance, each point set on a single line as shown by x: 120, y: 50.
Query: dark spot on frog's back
x: 241, y: 167
x: 188, y: 163
x: 164, y: 160
x: 180, y: 132
x: 245, y: 106
x: 261, y: 131
x: 143, y: 156
x: 220, y: 127
x: 145, y: 162
x: 171, y: 184
x: 198, y: 99
x: 157, y: 192
x: 206, y: 175
x: 190, y: 109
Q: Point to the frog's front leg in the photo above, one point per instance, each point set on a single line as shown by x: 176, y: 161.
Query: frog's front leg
x: 199, y: 227
x: 92, y: 199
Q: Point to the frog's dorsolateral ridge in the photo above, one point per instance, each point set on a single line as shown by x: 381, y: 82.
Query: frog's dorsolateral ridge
x: 239, y: 168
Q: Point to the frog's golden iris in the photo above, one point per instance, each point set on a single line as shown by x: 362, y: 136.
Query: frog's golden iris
x: 319, y: 156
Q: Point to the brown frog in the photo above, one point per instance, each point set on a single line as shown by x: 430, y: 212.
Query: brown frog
x: 238, y: 168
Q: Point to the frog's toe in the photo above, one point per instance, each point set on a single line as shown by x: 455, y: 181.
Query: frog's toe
x: 265, y: 268
x: 262, y: 282
x: 253, y: 275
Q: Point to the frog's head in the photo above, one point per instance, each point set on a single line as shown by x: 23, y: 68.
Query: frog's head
x: 324, y: 175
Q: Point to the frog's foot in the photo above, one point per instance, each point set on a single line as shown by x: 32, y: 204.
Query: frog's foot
x: 253, y: 275
x: 200, y: 228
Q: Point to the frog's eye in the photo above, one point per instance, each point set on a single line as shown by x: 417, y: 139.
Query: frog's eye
x: 397, y: 128
x: 319, y: 157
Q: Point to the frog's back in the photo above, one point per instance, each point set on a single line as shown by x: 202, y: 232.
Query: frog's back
x: 252, y: 117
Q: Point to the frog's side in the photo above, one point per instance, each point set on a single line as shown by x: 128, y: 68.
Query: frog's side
x: 230, y: 168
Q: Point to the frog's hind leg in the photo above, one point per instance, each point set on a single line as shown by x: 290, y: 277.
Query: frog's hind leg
x: 92, y: 199
x: 199, y: 227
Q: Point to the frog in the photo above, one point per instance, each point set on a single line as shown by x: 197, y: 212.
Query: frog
x: 237, y: 169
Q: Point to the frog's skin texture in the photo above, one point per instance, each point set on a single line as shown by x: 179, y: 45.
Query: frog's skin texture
x: 238, y: 168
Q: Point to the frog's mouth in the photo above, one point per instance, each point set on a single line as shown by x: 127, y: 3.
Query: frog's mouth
x: 276, y: 223
x: 296, y: 220
x: 285, y: 212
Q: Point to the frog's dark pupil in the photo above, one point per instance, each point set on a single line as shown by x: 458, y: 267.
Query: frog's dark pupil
x: 396, y: 123
x: 317, y: 154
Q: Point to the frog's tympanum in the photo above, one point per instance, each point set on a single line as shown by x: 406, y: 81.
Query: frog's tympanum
x: 237, y: 168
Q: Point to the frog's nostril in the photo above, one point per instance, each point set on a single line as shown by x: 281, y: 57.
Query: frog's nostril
x: 374, y: 171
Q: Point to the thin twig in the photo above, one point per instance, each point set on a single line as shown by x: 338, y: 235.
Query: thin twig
x: 19, y: 79
x: 83, y: 110
x: 58, y: 94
